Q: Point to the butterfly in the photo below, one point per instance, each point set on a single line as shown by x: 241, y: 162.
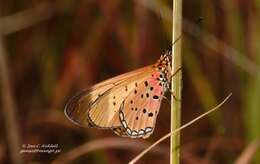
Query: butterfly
x: 128, y: 104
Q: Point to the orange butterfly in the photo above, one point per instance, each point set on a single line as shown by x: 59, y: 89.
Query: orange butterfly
x: 128, y: 104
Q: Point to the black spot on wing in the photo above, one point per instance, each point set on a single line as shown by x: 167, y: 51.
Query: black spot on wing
x: 155, y: 97
x: 146, y: 83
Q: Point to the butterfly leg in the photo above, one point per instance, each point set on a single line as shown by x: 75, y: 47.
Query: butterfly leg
x: 168, y: 101
x: 179, y: 69
x: 175, y: 98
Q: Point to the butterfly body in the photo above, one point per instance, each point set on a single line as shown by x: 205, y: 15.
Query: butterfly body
x: 128, y: 104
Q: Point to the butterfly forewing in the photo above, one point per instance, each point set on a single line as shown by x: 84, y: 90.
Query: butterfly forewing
x: 128, y: 104
x: 99, y: 105
x: 78, y: 106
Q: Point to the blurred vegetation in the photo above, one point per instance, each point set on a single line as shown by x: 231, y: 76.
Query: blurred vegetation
x: 54, y: 49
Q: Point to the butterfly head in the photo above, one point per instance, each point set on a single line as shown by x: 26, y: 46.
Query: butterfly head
x: 166, y: 58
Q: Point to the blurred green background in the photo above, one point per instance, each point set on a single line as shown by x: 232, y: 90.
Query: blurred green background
x: 50, y: 50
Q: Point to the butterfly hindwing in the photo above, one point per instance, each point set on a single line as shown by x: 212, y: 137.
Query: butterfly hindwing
x: 139, y: 110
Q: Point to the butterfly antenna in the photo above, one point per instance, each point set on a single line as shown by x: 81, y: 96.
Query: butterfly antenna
x: 179, y: 69
x: 198, y: 21
x: 170, y: 51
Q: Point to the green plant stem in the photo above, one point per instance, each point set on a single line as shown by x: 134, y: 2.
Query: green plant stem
x: 176, y: 81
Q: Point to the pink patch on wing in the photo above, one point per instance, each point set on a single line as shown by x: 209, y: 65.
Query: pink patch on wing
x: 141, y: 107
